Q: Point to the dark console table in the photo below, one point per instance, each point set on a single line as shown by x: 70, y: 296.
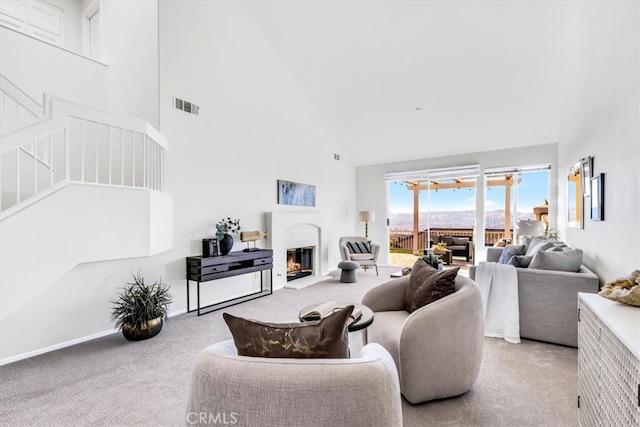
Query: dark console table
x: 201, y: 270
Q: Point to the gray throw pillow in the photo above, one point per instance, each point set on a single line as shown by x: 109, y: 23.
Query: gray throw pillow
x: 460, y: 241
x: 521, y: 261
x: 447, y: 239
x: 565, y: 260
x: 537, y: 246
x: 526, y: 241
x: 558, y: 248
x: 509, y: 251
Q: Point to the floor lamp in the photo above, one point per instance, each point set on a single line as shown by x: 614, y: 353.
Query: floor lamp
x: 366, y: 217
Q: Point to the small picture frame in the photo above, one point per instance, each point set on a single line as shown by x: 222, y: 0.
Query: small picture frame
x: 597, y: 197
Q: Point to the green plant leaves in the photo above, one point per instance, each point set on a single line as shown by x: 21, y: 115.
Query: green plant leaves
x: 139, y: 302
x: 227, y: 225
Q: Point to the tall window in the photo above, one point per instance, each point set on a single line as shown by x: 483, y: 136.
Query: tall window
x: 515, y: 194
x: 424, y: 204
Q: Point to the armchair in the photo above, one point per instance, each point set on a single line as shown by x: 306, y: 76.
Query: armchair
x: 363, y: 258
x: 437, y: 348
x: 270, y: 392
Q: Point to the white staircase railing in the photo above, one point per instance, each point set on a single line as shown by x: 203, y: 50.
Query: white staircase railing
x: 74, y: 143
x: 16, y: 107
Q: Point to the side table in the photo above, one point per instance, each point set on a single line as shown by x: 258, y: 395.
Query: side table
x: 201, y: 270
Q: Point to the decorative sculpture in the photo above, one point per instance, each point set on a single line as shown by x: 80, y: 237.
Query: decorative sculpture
x: 624, y: 289
x: 252, y: 236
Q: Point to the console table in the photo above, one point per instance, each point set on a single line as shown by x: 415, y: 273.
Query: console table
x: 202, y: 270
x: 608, y: 362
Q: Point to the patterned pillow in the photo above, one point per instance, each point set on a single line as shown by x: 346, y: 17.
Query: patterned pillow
x: 426, y: 285
x: 325, y: 338
x: 509, y: 251
x: 359, y: 247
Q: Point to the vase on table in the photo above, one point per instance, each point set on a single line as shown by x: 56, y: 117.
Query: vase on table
x: 225, y: 244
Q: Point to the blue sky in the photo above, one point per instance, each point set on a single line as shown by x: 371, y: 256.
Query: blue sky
x: 533, y: 189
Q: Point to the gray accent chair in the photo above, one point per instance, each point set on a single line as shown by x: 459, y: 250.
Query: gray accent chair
x: 268, y: 392
x: 548, y: 301
x: 366, y: 260
x: 437, y: 348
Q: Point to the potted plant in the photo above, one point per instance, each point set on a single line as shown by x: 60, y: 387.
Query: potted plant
x: 223, y: 228
x: 433, y: 260
x: 140, y: 309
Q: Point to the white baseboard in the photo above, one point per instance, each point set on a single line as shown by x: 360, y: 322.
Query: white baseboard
x: 54, y: 347
x: 69, y: 343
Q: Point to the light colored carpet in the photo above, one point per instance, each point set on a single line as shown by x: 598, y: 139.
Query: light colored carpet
x: 113, y: 382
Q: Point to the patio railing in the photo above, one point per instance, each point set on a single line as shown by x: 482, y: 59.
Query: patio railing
x: 402, y: 239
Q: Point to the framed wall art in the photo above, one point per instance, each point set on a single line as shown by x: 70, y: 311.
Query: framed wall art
x: 294, y: 193
x: 597, y: 197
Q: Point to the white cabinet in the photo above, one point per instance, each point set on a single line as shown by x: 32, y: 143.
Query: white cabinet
x: 608, y: 362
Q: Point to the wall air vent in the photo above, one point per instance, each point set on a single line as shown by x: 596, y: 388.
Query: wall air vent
x: 186, y: 106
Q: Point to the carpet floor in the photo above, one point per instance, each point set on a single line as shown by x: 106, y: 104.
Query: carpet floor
x: 113, y: 382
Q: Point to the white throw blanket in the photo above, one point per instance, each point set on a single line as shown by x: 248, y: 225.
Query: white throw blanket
x: 498, y: 285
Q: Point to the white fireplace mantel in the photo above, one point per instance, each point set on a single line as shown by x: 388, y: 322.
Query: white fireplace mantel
x: 294, y: 229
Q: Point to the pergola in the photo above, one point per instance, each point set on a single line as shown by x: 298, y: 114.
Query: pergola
x: 458, y: 183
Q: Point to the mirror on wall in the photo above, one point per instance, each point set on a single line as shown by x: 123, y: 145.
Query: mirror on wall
x: 575, y: 218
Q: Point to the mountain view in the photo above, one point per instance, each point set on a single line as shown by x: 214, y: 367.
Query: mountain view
x: 452, y: 219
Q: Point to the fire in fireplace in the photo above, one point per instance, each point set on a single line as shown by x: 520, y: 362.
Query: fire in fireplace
x: 299, y: 262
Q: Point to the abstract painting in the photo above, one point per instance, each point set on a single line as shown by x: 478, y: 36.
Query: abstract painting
x: 294, y: 193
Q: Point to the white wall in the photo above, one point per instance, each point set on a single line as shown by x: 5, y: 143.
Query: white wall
x: 602, y: 120
x: 372, y: 191
x: 78, y: 224
x: 130, y: 48
x: 255, y: 127
x: 37, y: 67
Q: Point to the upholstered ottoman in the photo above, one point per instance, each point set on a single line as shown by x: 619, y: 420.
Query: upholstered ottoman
x: 348, y: 274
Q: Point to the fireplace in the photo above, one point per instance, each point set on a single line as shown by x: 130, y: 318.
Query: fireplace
x: 299, y: 262
x: 297, y: 230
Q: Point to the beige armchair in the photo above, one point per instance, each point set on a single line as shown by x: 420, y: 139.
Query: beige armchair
x: 269, y: 392
x: 437, y: 348
x: 366, y: 259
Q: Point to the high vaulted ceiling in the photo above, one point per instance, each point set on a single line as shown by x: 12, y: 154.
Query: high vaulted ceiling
x: 399, y: 80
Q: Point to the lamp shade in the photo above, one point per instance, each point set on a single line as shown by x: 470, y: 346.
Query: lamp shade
x: 529, y: 227
x: 367, y: 216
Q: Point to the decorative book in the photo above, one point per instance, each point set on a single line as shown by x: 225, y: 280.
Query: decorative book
x: 323, y: 310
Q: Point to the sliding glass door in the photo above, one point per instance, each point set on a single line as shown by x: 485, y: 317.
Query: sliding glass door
x: 423, y: 205
x: 516, y: 202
